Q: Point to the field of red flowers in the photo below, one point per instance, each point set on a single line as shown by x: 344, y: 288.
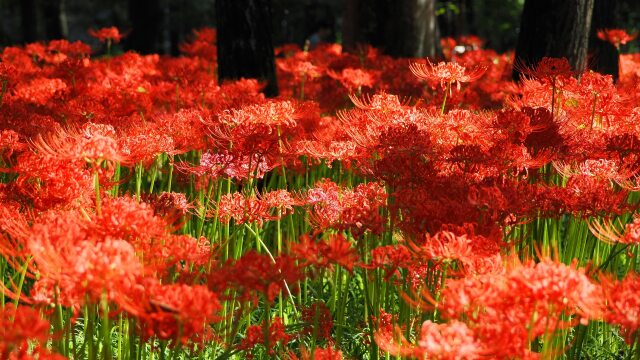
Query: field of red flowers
x: 377, y: 208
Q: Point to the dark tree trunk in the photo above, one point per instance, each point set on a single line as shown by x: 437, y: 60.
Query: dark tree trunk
x: 400, y: 28
x: 350, y: 25
x: 29, y: 20
x: 55, y: 22
x: 245, y: 48
x: 402, y: 35
x: 145, y: 17
x: 413, y: 29
x: 365, y: 22
x: 604, y: 56
x: 554, y: 28
x: 428, y: 32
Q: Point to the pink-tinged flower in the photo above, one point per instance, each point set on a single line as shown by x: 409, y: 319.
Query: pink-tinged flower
x: 107, y: 34
x: 616, y: 37
x: 446, y: 73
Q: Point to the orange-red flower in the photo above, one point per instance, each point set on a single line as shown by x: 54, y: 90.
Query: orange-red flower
x: 107, y: 34
x: 616, y: 37
x: 447, y: 73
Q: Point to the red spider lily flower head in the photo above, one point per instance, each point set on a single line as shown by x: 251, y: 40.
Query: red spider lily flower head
x: 203, y: 44
x: 547, y: 68
x: 607, y: 232
x: 447, y: 44
x: 317, y: 319
x: 254, y: 272
x: 107, y: 34
x: 336, y: 250
x: 319, y: 354
x: 255, y: 336
x: 623, y: 304
x: 19, y: 328
x: 453, y: 340
x: 353, y: 79
x: 446, y: 73
x: 176, y: 312
x: 472, y: 41
x: 616, y: 37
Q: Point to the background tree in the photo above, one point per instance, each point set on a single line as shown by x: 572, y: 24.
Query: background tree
x: 604, y: 57
x: 245, y: 48
x: 55, y: 19
x: 400, y: 28
x: 146, y: 18
x: 29, y: 20
x: 554, y: 28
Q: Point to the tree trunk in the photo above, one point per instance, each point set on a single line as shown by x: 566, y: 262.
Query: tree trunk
x: 554, y: 28
x: 400, y: 28
x: 54, y: 19
x: 350, y: 25
x: 29, y: 20
x: 245, y: 48
x: 145, y: 17
x: 365, y: 22
x: 428, y: 32
x: 604, y: 56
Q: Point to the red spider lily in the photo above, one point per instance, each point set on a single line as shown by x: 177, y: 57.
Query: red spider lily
x: 547, y: 68
x: 473, y: 41
x: 616, y: 37
x: 176, y: 312
x: 622, y: 304
x: 319, y: 354
x: 107, y: 34
x: 256, y: 272
x: 40, y: 91
x: 19, y: 328
x: 256, y: 336
x: 203, y: 44
x: 255, y: 208
x: 606, y: 231
x: 446, y: 73
x: 526, y: 302
x: 450, y: 341
x: 318, y: 320
x: 94, y: 143
x: 353, y: 79
x: 325, y: 254
x: 356, y: 210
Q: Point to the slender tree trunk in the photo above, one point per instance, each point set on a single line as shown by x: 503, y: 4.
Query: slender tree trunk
x: 554, y: 28
x: 428, y: 32
x: 402, y: 35
x: 366, y: 22
x: 145, y: 16
x: 29, y: 20
x: 604, y: 56
x: 245, y: 48
x: 55, y: 19
x: 350, y: 25
x: 55, y: 22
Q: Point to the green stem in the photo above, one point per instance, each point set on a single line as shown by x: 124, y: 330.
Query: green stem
x: 444, y: 101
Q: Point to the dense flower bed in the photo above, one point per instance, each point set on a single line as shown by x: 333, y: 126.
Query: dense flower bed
x: 378, y: 205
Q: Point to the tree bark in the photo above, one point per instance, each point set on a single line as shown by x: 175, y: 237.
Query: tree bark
x: 428, y: 32
x: 145, y: 17
x: 400, y: 28
x: 55, y: 22
x: 29, y: 21
x: 604, y: 57
x: 245, y: 48
x: 365, y: 22
x: 554, y: 28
